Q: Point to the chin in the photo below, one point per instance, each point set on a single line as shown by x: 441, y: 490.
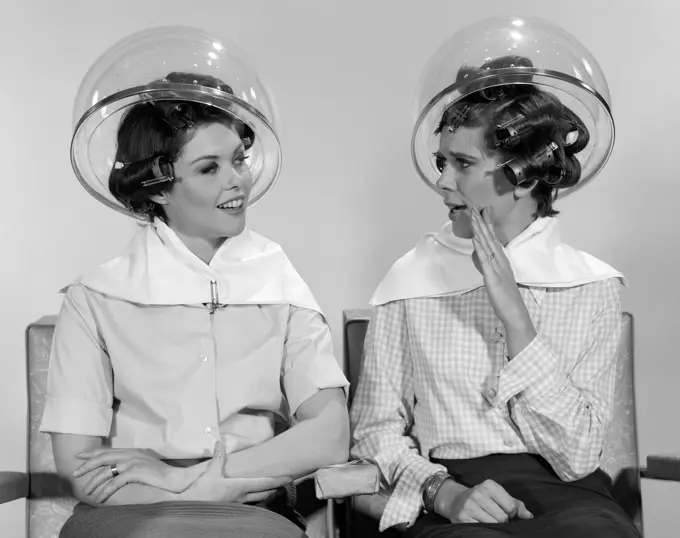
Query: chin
x: 232, y: 231
x: 232, y: 226
x: 462, y: 227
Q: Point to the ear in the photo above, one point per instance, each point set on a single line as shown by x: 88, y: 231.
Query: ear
x: 160, y: 198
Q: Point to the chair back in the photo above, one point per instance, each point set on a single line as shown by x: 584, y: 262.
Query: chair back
x: 50, y: 502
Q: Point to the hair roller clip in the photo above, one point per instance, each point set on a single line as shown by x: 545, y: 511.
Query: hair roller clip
x: 162, y: 171
x: 493, y: 94
x: 508, y: 133
x: 547, y: 154
x: 516, y: 171
x: 560, y: 173
x: 457, y: 117
x: 179, y: 117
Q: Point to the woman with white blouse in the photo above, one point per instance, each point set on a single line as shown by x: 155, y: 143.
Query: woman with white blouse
x: 192, y: 378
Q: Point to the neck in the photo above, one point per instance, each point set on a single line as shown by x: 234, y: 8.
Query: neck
x: 516, y: 221
x: 205, y: 249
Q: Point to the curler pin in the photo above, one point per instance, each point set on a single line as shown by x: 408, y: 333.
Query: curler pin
x: 458, y: 117
x: 508, y: 133
x: 162, y: 173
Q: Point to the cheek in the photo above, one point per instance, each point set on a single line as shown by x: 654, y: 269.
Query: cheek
x: 201, y: 193
x: 247, y: 178
x: 476, y: 188
x: 248, y: 185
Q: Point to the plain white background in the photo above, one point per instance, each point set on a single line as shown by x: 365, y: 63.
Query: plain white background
x: 348, y: 202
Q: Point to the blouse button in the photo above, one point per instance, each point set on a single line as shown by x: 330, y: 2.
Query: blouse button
x: 204, y: 358
x: 208, y: 431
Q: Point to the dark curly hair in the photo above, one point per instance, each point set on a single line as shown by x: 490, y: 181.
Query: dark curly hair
x: 151, y: 137
x: 535, y: 133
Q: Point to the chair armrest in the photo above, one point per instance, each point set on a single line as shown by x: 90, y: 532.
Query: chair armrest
x: 663, y: 468
x: 13, y: 485
x: 346, y: 480
x: 303, y: 479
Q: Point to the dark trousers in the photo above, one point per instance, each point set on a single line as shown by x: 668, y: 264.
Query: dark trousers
x: 580, y: 509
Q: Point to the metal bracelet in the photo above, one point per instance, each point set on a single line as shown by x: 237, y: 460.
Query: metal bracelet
x: 431, y: 488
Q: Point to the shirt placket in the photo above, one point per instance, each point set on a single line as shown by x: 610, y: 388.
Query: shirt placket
x: 500, y: 348
x: 209, y: 421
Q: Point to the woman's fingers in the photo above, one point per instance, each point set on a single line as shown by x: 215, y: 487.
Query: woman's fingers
x: 100, y: 460
x: 216, y: 464
x: 259, y: 496
x: 97, y: 479
x: 110, y: 487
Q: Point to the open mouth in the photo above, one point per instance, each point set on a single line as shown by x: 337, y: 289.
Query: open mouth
x: 232, y: 205
x: 455, y: 208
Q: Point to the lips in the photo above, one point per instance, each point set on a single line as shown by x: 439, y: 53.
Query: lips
x: 233, y: 204
x: 455, y: 206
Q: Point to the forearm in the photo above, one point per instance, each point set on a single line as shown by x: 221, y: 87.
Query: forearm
x: 298, y: 451
x: 557, y: 419
x: 519, y: 334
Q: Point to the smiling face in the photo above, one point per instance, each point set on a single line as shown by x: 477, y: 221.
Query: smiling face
x: 471, y: 177
x: 207, y: 202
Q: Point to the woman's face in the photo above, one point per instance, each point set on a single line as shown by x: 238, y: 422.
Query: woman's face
x: 470, y: 177
x: 210, y: 195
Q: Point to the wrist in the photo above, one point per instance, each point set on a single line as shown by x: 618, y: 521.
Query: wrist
x: 523, y: 331
x: 446, y: 495
x: 431, y: 487
x: 187, y: 495
x: 205, y: 491
x: 518, y: 320
x: 194, y: 472
x: 181, y: 478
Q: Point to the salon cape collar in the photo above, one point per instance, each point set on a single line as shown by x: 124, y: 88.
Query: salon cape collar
x: 157, y: 268
x: 441, y: 264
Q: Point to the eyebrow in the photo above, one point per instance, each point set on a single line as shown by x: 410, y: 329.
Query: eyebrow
x: 205, y: 158
x: 458, y: 154
x: 241, y: 148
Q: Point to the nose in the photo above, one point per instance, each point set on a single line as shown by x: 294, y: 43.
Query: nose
x: 231, y: 178
x: 447, y: 181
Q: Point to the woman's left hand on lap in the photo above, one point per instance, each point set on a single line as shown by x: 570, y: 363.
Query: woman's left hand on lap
x: 133, y: 466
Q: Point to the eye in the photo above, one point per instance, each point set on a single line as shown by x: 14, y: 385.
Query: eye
x: 209, y: 169
x: 241, y: 159
x: 440, y: 162
x: 463, y: 164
